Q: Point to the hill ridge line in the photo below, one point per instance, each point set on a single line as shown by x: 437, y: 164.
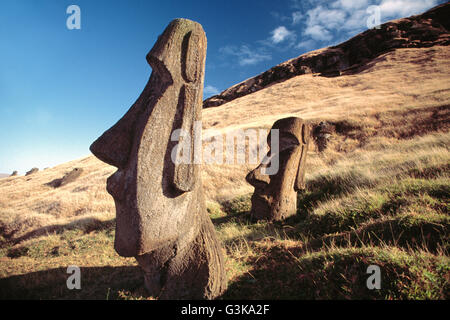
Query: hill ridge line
x: 419, y: 31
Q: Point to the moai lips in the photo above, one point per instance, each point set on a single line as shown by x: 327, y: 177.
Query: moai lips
x: 275, y: 196
x: 161, y: 217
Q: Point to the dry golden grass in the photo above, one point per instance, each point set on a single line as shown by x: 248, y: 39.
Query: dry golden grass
x: 396, y: 96
x: 405, y: 78
x: 389, y: 149
x: 29, y: 203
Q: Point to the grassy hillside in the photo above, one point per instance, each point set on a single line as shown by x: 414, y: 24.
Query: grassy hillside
x: 378, y: 194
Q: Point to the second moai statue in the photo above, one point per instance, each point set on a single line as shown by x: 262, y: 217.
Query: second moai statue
x: 275, y: 195
x: 161, y: 217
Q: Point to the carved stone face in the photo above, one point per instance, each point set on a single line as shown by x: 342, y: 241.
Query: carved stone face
x: 156, y: 200
x: 275, y: 196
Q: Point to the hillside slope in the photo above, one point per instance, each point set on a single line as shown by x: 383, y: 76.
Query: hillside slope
x: 404, y: 78
x: 398, y: 82
x: 377, y: 194
x: 426, y: 30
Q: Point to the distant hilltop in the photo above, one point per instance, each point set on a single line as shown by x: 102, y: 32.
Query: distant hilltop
x: 421, y: 31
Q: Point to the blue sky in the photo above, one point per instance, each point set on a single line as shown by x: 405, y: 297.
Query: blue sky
x: 60, y: 88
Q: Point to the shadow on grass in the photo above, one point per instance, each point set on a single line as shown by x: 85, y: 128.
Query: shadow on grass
x: 96, y: 283
x: 278, y: 275
x: 236, y: 217
x: 273, y: 276
x: 324, y: 188
x: 398, y: 231
x: 86, y: 224
x: 237, y: 210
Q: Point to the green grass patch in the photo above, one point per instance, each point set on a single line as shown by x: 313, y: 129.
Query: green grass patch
x: 352, y: 210
x: 428, y: 232
x: 341, y: 273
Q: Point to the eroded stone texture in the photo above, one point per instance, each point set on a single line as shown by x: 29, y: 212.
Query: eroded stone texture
x: 161, y: 217
x: 275, y: 196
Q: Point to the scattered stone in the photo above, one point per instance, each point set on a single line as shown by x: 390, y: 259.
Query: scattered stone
x: 71, y: 176
x: 34, y: 170
x: 68, y: 177
x: 322, y: 134
x: 275, y: 196
x: 161, y: 218
x: 80, y: 189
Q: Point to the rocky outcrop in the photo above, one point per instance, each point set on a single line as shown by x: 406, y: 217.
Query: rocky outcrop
x: 34, y: 170
x: 426, y: 30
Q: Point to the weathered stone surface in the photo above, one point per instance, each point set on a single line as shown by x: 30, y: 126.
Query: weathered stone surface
x: 161, y: 217
x: 275, y: 196
x: 14, y: 173
x: 34, y: 170
x: 68, y: 178
x: 429, y: 29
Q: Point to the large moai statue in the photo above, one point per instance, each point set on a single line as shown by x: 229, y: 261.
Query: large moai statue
x: 275, y: 196
x: 161, y: 218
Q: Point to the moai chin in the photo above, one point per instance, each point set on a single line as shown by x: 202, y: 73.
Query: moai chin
x: 161, y: 217
x: 275, y: 195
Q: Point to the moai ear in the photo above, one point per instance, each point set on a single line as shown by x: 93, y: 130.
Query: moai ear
x: 300, y: 179
x: 190, y: 102
x: 185, y: 174
x: 192, y: 64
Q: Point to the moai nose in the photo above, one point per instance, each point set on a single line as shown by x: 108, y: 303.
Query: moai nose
x: 256, y: 178
x: 114, y: 146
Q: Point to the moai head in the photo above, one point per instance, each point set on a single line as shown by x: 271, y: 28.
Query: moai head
x: 275, y: 196
x: 155, y: 197
x: 161, y: 218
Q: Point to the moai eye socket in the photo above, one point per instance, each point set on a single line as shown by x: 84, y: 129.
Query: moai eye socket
x: 287, y: 141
